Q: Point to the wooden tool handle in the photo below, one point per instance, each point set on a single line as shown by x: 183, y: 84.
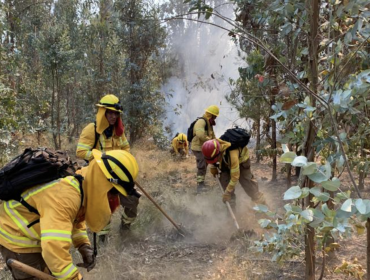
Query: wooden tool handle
x: 29, y: 270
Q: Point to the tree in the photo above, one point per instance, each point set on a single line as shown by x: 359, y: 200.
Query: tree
x: 318, y: 74
x: 140, y: 36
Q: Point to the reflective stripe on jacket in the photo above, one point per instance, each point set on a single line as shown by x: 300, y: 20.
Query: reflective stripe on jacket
x: 87, y: 140
x: 58, y: 203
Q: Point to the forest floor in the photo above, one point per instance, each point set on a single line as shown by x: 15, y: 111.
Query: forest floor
x: 152, y: 249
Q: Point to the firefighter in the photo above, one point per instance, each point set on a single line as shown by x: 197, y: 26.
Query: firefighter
x: 180, y: 145
x: 235, y: 166
x: 65, y: 206
x: 106, y: 134
x: 203, y: 131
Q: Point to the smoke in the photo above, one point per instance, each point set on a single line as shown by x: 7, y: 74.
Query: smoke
x: 207, y: 59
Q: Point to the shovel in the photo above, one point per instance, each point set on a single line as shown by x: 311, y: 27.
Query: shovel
x: 181, y: 232
x: 29, y: 270
x: 228, y: 205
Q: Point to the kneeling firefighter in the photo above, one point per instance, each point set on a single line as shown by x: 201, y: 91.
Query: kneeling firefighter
x: 180, y: 145
x: 235, y: 166
x: 43, y: 240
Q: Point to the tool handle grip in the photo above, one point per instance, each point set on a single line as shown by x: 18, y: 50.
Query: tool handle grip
x: 29, y: 270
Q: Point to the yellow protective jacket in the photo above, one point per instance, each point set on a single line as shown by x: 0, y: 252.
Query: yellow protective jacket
x: 104, y: 144
x: 176, y: 146
x: 232, y: 160
x: 58, y: 203
x: 200, y: 133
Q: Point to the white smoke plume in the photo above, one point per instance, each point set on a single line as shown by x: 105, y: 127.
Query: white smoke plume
x: 207, y: 59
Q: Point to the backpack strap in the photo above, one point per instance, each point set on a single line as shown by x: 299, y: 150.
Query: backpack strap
x: 80, y: 179
x: 32, y: 209
x: 29, y: 207
x: 206, y: 128
x: 226, y: 159
x: 97, y: 136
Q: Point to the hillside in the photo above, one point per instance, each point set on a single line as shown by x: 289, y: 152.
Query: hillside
x: 213, y: 249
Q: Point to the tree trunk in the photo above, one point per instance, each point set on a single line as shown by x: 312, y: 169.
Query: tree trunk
x: 274, y: 159
x: 313, y: 9
x: 258, y: 140
x: 52, y: 110
x: 362, y: 169
x: 310, y: 253
x: 368, y: 248
x: 133, y: 78
x: 58, y: 112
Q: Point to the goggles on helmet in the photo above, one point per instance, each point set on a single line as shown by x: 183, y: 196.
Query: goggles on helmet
x: 128, y: 186
x: 116, y: 106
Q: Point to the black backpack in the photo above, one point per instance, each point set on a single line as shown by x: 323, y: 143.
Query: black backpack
x: 34, y: 167
x: 238, y: 137
x: 190, y: 133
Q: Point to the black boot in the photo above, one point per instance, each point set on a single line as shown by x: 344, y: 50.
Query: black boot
x: 125, y: 226
x: 201, y: 187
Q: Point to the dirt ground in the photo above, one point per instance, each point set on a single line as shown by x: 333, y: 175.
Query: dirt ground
x: 211, y: 249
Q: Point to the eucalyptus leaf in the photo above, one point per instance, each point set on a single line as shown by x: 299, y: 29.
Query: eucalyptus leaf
x: 340, y: 161
x: 318, y: 218
x: 293, y: 193
x: 347, y: 205
x: 260, y: 207
x: 342, y: 195
x: 309, y: 169
x: 317, y: 177
x: 327, y: 212
x: 288, y: 157
x: 361, y: 206
x: 264, y: 223
x: 340, y: 214
x: 305, y: 192
x: 316, y: 191
x: 307, y: 215
x: 285, y: 148
x: 348, y: 38
x: 299, y: 161
x: 323, y: 173
x: 332, y: 185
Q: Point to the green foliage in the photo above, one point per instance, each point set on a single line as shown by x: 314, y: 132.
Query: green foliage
x: 60, y: 61
x: 144, y: 103
x: 347, y: 216
x: 200, y: 7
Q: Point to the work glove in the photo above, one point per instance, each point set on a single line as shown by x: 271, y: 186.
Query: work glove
x: 88, y: 257
x: 214, y: 171
x: 226, y: 197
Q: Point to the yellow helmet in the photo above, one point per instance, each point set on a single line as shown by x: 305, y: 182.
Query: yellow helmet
x: 181, y: 138
x: 110, y: 102
x: 120, y: 168
x: 214, y: 110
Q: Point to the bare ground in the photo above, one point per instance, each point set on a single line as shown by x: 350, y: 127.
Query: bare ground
x: 212, y: 249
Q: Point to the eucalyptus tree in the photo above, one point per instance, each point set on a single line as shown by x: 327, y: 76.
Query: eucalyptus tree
x: 324, y: 64
x: 140, y: 37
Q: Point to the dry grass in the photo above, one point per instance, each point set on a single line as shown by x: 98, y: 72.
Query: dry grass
x: 153, y: 250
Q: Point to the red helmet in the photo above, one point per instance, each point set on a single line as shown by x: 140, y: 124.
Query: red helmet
x: 211, y: 150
